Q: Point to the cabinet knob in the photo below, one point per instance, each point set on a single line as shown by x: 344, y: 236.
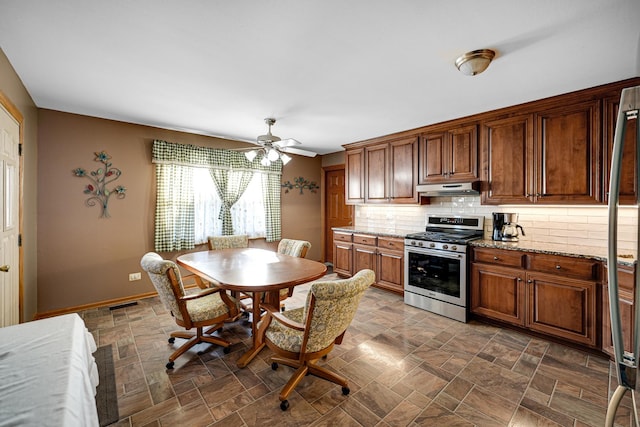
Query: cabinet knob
x: 529, y: 281
x: 4, y: 268
x: 519, y: 279
x: 538, y: 195
x: 495, y: 258
x: 558, y: 267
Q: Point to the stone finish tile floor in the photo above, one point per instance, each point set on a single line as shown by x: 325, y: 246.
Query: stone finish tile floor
x: 405, y: 366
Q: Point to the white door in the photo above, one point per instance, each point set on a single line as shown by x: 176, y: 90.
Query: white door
x: 9, y: 229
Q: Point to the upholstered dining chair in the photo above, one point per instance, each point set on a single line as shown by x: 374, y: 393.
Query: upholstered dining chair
x: 208, y: 308
x: 228, y: 242
x: 234, y: 241
x: 301, y: 336
x: 296, y: 248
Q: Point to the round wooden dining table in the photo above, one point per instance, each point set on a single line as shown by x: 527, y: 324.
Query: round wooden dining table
x: 255, y: 271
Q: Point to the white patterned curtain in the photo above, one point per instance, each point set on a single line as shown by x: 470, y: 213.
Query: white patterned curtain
x: 174, y: 228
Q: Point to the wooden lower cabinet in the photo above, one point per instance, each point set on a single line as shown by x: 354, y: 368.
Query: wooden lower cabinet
x: 342, y: 253
x: 383, y: 255
x: 563, y: 307
x: 557, y: 305
x: 498, y: 292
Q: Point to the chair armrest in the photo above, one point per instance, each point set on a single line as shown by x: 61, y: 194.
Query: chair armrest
x: 233, y: 306
x: 203, y: 293
x: 286, y: 321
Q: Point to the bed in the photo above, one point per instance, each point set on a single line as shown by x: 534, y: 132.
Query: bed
x: 48, y: 376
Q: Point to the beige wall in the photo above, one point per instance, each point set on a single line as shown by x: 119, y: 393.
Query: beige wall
x: 12, y: 88
x: 85, y: 259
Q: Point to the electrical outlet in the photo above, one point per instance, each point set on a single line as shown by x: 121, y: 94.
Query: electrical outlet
x: 134, y: 276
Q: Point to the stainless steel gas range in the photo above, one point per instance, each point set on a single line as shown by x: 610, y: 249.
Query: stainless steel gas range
x: 436, y: 265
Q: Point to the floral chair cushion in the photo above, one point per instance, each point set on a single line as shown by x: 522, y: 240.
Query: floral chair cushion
x: 228, y: 242
x: 336, y: 303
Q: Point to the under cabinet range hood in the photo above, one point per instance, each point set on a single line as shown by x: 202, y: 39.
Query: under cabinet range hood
x: 452, y: 189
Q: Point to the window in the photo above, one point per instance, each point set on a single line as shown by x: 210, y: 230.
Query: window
x: 247, y: 213
x: 207, y: 191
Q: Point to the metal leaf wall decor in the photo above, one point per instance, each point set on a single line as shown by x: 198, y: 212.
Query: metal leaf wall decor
x: 300, y: 183
x: 97, y: 189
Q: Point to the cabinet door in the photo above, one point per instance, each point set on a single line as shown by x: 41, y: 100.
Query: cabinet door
x: 354, y: 175
x: 432, y: 164
x: 498, y: 293
x: 506, y: 158
x: 463, y: 154
x: 629, y: 169
x: 343, y: 258
x: 377, y: 173
x: 364, y: 257
x: 567, y: 145
x: 390, y: 270
x: 565, y: 308
x: 404, y: 170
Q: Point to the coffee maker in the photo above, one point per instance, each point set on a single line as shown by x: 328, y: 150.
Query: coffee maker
x: 505, y: 227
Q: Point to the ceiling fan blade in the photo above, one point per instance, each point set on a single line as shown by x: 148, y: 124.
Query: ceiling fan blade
x: 298, y: 151
x: 287, y: 142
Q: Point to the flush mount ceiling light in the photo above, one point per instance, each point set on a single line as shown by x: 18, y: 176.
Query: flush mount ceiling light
x: 475, y: 62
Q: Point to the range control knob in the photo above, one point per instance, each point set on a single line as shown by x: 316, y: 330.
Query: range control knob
x: 454, y: 248
x: 412, y: 243
x: 445, y: 246
x: 432, y: 245
x: 420, y: 244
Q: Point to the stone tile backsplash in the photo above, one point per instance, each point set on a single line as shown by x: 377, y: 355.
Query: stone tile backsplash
x: 579, y: 225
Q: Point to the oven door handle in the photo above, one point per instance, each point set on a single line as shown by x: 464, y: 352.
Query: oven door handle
x: 441, y: 254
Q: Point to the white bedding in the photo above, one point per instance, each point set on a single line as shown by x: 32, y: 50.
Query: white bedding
x: 48, y: 375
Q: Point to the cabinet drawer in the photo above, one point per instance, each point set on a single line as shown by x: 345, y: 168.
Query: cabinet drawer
x: 564, y: 266
x: 498, y: 256
x: 364, y: 239
x: 626, y: 278
x: 341, y: 237
x: 390, y: 243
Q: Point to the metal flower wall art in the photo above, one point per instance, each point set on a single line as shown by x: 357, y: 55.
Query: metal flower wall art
x: 97, y: 189
x: 300, y: 183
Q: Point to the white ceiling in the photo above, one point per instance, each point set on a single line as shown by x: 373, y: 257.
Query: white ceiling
x: 331, y: 71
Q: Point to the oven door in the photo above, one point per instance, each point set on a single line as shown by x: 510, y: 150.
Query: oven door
x: 436, y: 274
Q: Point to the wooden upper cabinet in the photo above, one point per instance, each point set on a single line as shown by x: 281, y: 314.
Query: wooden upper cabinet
x: 403, y: 158
x: 629, y: 169
x: 567, y: 154
x: 354, y: 171
x: 377, y: 173
x: 507, y: 160
x: 383, y: 172
x: 449, y: 156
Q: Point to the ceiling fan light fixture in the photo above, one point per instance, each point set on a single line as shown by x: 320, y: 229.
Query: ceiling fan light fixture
x: 475, y: 62
x: 250, y: 155
x: 272, y: 155
x: 285, y: 159
x: 265, y: 161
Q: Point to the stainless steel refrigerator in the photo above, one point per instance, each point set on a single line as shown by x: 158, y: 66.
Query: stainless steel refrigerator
x: 626, y: 362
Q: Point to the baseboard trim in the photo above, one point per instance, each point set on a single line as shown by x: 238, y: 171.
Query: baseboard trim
x: 75, y: 309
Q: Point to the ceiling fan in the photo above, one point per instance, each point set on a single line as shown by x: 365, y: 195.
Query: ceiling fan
x: 272, y: 147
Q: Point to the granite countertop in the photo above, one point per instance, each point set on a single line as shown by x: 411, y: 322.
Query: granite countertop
x: 628, y: 258
x: 625, y: 257
x: 387, y: 232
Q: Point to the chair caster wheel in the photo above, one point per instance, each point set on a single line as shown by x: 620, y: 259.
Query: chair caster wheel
x: 226, y: 350
x: 169, y: 365
x: 345, y: 390
x: 284, y: 405
x: 245, y: 314
x: 171, y: 340
x: 274, y: 366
